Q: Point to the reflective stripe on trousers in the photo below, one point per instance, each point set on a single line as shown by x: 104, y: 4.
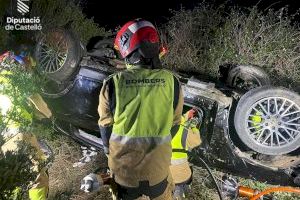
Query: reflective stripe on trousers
x: 179, y: 161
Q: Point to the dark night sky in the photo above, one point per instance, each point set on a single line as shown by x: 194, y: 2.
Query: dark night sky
x: 111, y: 13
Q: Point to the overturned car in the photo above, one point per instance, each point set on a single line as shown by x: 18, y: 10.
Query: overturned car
x: 249, y: 127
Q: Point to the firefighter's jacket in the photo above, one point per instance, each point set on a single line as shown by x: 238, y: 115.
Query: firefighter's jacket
x: 185, y: 139
x: 138, y: 108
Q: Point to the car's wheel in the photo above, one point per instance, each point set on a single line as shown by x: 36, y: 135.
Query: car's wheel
x: 58, y: 54
x: 267, y: 120
x: 247, y: 77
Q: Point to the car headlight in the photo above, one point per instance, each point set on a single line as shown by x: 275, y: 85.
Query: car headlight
x: 5, y: 104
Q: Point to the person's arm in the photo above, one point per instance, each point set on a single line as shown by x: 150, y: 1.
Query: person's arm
x: 41, y: 108
x: 105, y: 112
x: 178, y: 105
x: 193, y: 138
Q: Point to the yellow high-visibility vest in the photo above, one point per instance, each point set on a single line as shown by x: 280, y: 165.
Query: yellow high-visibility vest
x: 178, y: 144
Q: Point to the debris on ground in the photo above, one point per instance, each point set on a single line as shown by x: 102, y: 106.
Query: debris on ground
x: 88, y: 154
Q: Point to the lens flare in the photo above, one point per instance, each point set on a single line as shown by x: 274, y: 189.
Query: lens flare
x: 5, y: 104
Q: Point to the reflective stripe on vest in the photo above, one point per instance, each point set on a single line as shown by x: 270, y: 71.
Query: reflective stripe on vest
x: 178, y: 161
x: 179, y: 143
x: 144, y: 103
x: 139, y: 140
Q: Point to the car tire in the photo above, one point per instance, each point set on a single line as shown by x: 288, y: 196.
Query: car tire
x: 247, y: 77
x: 58, y: 54
x: 265, y: 122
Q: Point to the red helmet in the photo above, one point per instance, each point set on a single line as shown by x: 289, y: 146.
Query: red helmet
x: 138, y: 34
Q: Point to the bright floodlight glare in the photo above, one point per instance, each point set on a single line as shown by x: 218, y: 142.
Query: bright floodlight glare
x: 5, y: 104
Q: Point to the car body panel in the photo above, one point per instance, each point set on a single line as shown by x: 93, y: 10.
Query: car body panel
x: 79, y: 105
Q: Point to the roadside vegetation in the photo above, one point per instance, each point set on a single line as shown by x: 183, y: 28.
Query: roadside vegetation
x: 4, y: 34
x: 202, y: 39
x: 15, y: 167
x: 58, y: 13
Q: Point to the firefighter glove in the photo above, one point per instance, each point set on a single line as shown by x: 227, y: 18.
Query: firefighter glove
x: 90, y: 183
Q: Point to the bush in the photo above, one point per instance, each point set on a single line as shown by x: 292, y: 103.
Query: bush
x: 206, y: 37
x: 57, y: 13
x: 16, y: 171
x: 16, y: 167
x: 4, y: 34
x: 18, y: 84
x: 190, y: 36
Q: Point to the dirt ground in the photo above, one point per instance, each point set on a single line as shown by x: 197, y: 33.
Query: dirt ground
x: 65, y: 179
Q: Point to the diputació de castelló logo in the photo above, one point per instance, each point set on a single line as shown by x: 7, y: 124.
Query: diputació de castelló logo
x: 22, y: 7
x: 22, y: 23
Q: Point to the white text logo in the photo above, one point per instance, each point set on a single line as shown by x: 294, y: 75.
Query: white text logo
x: 23, y: 23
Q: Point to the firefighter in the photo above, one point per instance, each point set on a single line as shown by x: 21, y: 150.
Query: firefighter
x: 139, y: 109
x: 187, y: 138
x: 13, y: 135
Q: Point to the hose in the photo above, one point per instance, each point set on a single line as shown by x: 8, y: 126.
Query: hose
x: 210, y: 173
x: 277, y: 189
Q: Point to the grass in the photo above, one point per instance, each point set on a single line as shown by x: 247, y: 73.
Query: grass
x: 262, y: 186
x: 65, y: 179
